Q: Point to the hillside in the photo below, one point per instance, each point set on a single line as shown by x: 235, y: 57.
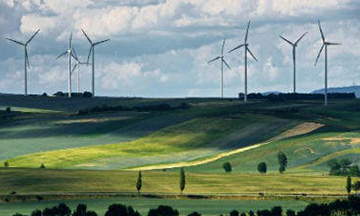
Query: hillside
x: 348, y: 89
x: 202, y: 136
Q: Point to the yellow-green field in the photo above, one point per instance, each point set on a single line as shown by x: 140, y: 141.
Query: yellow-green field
x: 39, y: 181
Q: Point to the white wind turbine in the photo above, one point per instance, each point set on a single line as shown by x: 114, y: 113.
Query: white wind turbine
x: 222, y: 62
x: 294, y: 45
x: 247, y: 50
x: 92, y: 52
x: 26, y: 58
x: 69, y: 53
x: 77, y: 65
x: 325, y: 44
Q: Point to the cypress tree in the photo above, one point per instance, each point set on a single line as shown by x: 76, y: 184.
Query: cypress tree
x: 139, y: 182
x: 182, y: 180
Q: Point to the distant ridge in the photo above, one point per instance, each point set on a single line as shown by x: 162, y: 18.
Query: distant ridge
x: 348, y: 89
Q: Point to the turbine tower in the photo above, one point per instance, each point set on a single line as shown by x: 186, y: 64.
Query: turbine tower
x: 77, y: 65
x: 294, y: 45
x: 247, y: 50
x: 222, y: 62
x: 92, y: 52
x: 26, y: 58
x: 69, y: 53
x: 325, y: 44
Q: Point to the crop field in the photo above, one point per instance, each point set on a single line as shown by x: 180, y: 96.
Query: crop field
x: 43, y: 181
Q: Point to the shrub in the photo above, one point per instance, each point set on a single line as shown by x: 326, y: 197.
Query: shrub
x: 119, y: 209
x: 163, y: 211
x: 227, y: 167
x: 262, y: 167
x: 194, y: 214
x: 290, y: 212
x: 6, y: 164
x: 42, y: 166
x: 36, y: 213
x: 234, y: 213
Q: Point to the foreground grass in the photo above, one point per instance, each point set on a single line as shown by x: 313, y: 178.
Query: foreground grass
x: 185, y: 207
x: 39, y: 181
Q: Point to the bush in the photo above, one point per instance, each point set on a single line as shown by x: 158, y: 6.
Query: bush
x: 290, y: 212
x: 6, y: 164
x: 163, y: 211
x: 87, y: 94
x: 234, y: 213
x: 194, y: 214
x: 119, y: 209
x: 42, y: 166
x: 262, y: 167
x: 36, y: 213
x: 227, y: 167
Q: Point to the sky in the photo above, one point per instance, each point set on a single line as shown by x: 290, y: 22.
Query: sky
x: 160, y: 48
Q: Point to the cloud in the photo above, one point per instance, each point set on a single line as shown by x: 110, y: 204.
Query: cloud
x: 161, y: 47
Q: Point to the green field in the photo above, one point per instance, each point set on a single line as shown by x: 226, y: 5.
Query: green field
x: 185, y: 207
x: 44, y: 181
x: 86, y: 154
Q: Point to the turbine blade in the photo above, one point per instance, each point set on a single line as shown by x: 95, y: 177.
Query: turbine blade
x: 321, y: 32
x: 251, y: 54
x: 70, y: 40
x: 15, y: 41
x: 329, y: 43
x: 214, y: 59
x: 32, y: 37
x: 247, y: 31
x: 91, y: 49
x: 222, y: 48
x: 62, y: 54
x: 300, y: 38
x: 87, y: 37
x: 318, y: 56
x: 236, y: 48
x: 100, y: 42
x: 227, y: 65
x: 75, y: 55
x: 76, y: 65
x: 286, y: 40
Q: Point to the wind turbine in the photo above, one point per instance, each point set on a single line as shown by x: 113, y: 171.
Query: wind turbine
x: 325, y: 44
x: 294, y: 45
x: 247, y: 50
x: 222, y: 62
x: 77, y: 65
x: 69, y: 53
x: 26, y: 57
x: 92, y: 51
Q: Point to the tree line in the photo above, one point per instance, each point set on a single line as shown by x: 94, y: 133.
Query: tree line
x: 346, y: 207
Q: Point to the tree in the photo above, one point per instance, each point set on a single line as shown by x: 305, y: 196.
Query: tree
x: 227, y: 167
x: 234, y: 213
x: 354, y: 170
x: 6, y: 164
x: 290, y: 212
x: 348, y: 184
x: 182, y: 179
x: 282, y: 160
x: 356, y: 186
x: 262, y: 167
x: 194, y: 214
x: 36, y: 213
x: 81, y: 210
x: 119, y: 209
x: 42, y: 166
x: 139, y: 182
x: 163, y: 211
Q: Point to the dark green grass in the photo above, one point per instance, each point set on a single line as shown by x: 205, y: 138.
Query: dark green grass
x: 185, y: 207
